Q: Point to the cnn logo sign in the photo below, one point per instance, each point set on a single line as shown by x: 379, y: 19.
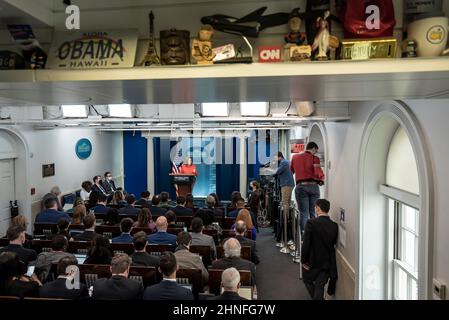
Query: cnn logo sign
x: 270, y: 54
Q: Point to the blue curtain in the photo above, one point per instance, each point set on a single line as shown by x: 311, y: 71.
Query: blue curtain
x: 135, y: 162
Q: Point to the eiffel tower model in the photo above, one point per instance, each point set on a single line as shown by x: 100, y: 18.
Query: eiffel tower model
x: 151, y: 57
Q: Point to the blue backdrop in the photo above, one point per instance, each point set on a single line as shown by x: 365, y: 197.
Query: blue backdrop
x: 226, y: 177
x: 135, y: 162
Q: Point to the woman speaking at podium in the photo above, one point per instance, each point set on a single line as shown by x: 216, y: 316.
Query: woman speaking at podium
x: 188, y: 168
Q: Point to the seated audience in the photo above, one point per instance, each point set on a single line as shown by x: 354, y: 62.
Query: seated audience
x: 108, y: 184
x: 51, y: 213
x: 165, y: 198
x: 200, y: 239
x: 129, y: 208
x: 140, y: 256
x: 232, y: 251
x: 245, y: 216
x: 46, y: 259
x: 101, y: 204
x: 218, y: 212
x: 217, y: 200
x: 240, y: 204
x: 144, y: 200
x: 230, y: 282
x: 86, y: 189
x: 89, y: 229
x: 188, y: 260
x: 168, y: 288
x: 79, y: 212
x: 100, y: 252
x: 22, y: 221
x: 180, y: 210
x: 118, y: 287
x: 13, y: 278
x: 63, y: 229
x: 189, y: 201
x: 16, y: 237
x: 112, y: 217
x: 119, y: 199
x: 207, y: 214
x: 125, y: 227
x: 162, y: 236
x: 171, y: 219
x: 54, y: 194
x: 93, y: 199
x: 64, y: 286
x: 145, y: 220
x: 97, y: 186
x: 235, y: 196
x: 240, y: 231
x: 155, y: 208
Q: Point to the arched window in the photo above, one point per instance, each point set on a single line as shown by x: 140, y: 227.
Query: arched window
x: 395, y: 217
x: 402, y: 192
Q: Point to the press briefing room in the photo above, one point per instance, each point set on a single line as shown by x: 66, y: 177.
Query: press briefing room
x: 201, y: 151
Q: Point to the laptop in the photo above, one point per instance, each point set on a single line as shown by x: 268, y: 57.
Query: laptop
x: 80, y: 257
x: 187, y: 286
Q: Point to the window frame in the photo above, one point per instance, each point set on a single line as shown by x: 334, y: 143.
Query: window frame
x: 397, y: 229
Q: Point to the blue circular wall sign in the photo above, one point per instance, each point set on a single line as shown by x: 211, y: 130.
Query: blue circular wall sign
x: 83, y: 149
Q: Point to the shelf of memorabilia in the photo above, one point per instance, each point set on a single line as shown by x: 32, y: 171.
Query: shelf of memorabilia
x: 436, y: 66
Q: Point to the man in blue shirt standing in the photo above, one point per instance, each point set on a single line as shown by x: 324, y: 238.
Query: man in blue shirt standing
x: 285, y: 178
x: 286, y: 182
x: 51, y: 213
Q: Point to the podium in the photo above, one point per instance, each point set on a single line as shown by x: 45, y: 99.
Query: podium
x: 183, y: 183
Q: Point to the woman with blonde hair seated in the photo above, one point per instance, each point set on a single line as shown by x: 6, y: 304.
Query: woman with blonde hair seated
x: 245, y: 216
x: 79, y: 212
x: 119, y: 199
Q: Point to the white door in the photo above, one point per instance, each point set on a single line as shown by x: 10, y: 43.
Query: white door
x: 7, y: 193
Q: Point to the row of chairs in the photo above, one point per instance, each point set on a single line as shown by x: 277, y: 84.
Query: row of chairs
x: 149, y: 276
x: 81, y: 247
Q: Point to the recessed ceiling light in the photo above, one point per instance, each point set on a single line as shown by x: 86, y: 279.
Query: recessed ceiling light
x: 215, y: 109
x: 74, y: 111
x: 255, y: 109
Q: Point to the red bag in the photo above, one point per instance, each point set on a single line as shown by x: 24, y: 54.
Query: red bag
x: 354, y: 18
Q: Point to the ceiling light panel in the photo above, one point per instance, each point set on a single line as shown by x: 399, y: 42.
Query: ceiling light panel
x: 254, y: 109
x: 74, y: 111
x: 120, y: 111
x: 215, y: 109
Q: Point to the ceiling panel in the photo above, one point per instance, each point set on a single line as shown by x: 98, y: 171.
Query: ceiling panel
x: 334, y: 81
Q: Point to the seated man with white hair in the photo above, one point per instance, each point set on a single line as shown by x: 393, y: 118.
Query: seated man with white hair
x: 230, y: 281
x: 162, y: 236
x: 232, y: 250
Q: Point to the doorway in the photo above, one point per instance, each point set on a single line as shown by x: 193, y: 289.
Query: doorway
x: 7, y: 192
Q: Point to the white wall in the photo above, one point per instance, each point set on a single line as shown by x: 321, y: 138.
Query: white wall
x: 344, y: 146
x: 58, y: 147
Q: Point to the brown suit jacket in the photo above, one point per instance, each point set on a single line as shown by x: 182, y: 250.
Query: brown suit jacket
x: 188, y: 260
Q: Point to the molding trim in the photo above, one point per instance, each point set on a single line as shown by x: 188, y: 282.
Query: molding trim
x: 400, y: 112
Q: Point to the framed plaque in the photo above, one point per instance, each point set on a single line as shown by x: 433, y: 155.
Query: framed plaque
x: 48, y: 170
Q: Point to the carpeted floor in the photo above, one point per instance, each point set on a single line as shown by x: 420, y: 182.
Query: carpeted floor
x: 277, y: 275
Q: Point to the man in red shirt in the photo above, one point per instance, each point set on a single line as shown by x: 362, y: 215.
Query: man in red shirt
x: 308, y: 176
